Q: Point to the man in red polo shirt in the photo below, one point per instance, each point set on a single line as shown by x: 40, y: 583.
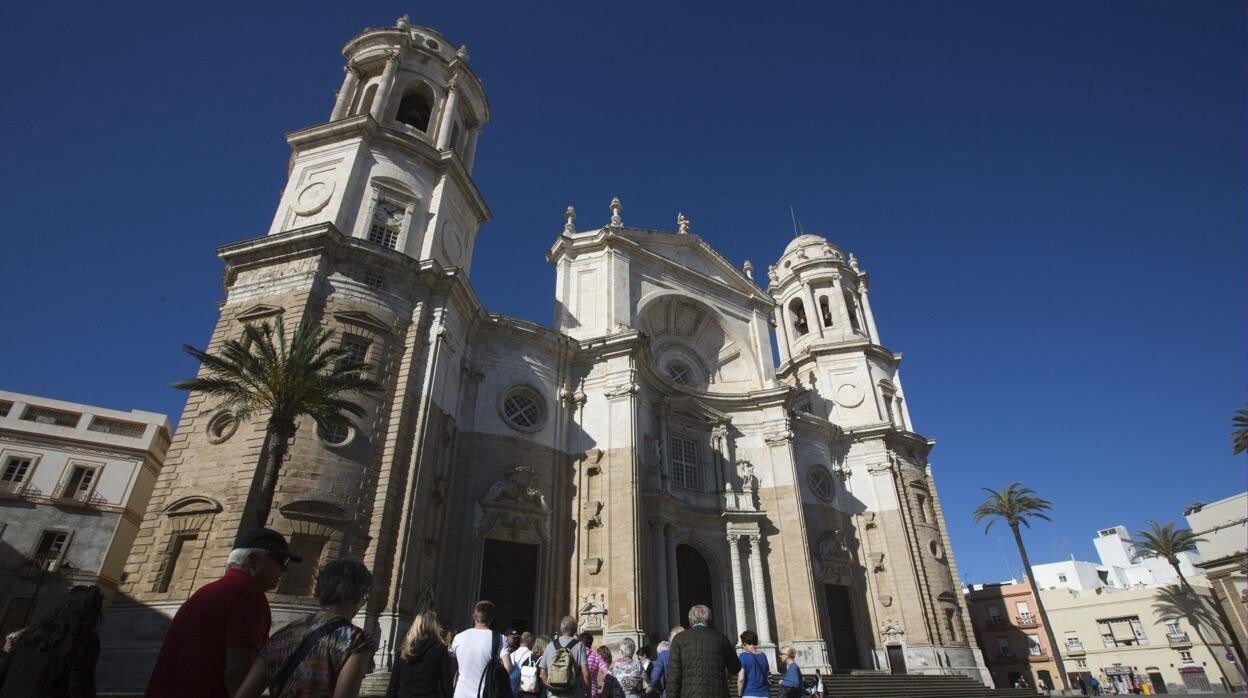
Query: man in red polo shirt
x: 217, y: 633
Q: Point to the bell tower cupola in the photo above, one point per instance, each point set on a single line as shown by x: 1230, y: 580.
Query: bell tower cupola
x: 821, y: 297
x: 393, y: 163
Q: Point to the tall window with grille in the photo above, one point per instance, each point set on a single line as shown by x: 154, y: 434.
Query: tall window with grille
x: 80, y: 483
x: 356, y: 349
x: 684, y: 452
x: 387, y: 223
x: 51, y: 549
x: 16, y: 472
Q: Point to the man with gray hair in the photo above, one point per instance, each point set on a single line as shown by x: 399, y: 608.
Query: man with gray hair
x: 219, y: 630
x: 563, y: 668
x: 700, y: 660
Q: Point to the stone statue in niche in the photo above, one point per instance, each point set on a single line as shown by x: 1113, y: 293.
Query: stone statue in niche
x: 591, y: 615
x: 749, y: 481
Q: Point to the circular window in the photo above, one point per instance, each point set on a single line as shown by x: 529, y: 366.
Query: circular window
x: 222, y: 426
x: 338, y: 432
x: 680, y: 373
x: 820, y: 481
x: 432, y: 44
x: 522, y: 408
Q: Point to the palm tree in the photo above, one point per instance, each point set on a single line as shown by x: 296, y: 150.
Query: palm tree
x: 1167, y: 542
x: 267, y: 373
x: 1239, y: 432
x: 1017, y: 504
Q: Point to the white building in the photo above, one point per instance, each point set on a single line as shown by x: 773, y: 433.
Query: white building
x: 74, y: 483
x: 1119, y: 567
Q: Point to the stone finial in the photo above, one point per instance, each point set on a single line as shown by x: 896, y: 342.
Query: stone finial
x: 569, y: 216
x: 403, y: 22
x: 853, y: 262
x: 748, y: 268
x: 682, y: 224
x: 462, y: 53
x: 772, y: 275
x: 616, y: 207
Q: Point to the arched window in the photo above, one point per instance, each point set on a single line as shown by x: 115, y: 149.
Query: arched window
x: 825, y: 312
x: 798, y: 313
x: 852, y: 306
x: 416, y: 106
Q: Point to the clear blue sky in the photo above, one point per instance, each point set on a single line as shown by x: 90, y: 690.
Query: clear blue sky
x: 1049, y: 197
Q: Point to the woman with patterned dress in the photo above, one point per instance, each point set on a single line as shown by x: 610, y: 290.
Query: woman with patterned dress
x: 626, y: 678
x: 340, y: 653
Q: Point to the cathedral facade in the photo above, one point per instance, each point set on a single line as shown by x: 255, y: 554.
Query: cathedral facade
x: 642, y: 455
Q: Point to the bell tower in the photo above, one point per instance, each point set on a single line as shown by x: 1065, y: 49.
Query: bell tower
x: 393, y: 163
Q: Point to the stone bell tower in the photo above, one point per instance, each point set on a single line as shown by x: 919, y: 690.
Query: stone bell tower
x: 372, y: 238
x: 393, y: 163
x: 885, y: 558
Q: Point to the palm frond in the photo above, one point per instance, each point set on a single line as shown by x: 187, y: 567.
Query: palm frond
x: 1164, y: 541
x: 1239, y: 432
x: 1015, y: 503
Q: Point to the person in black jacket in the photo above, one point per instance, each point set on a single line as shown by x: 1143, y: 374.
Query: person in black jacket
x: 55, y: 657
x: 423, y: 667
x: 700, y: 660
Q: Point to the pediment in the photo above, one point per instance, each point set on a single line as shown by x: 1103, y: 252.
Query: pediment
x: 313, y: 509
x: 692, y: 254
x: 191, y: 505
x: 259, y: 312
x: 361, y: 319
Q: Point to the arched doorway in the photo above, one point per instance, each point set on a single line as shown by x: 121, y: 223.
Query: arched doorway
x: 694, y: 582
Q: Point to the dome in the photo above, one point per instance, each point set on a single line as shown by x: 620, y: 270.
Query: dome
x: 805, y: 240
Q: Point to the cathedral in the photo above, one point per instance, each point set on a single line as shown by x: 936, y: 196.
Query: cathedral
x: 643, y: 455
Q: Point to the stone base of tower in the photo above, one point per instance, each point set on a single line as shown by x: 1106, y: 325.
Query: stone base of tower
x: 939, y: 660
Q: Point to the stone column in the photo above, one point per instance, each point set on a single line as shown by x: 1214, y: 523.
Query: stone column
x: 350, y: 82
x: 673, y: 608
x: 761, y: 618
x: 813, y: 317
x: 386, y: 86
x: 665, y: 473
x: 449, y: 108
x: 470, y: 149
x: 867, y: 315
x: 738, y: 587
x: 782, y: 341
x: 659, y: 535
x: 836, y: 303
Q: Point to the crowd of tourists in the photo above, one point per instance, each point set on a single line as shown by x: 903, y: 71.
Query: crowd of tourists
x: 219, y: 645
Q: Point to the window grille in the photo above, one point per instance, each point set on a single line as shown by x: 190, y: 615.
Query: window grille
x: 5, y: 406
x: 48, y: 415
x: 375, y: 279
x: 685, y: 462
x: 383, y: 235
x: 51, y: 548
x: 80, y: 481
x: 335, y: 433
x: 356, y: 349
x: 820, y: 481
x: 105, y: 425
x: 523, y: 410
x: 679, y: 373
x: 16, y: 470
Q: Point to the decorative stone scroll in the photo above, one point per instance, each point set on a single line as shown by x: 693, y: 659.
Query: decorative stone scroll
x: 891, y: 630
x: 514, y: 509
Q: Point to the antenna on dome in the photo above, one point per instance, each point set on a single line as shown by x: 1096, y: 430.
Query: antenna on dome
x: 797, y: 225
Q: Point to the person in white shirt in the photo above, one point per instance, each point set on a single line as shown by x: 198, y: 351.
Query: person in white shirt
x: 521, y: 653
x: 473, y: 648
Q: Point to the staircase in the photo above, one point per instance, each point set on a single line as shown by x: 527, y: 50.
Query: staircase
x: 865, y: 685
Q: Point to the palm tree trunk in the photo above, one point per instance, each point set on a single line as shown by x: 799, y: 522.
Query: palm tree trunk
x: 278, y: 438
x: 1044, y: 616
x: 1195, y: 622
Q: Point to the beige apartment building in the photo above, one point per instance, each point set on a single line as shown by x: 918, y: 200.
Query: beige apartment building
x: 74, y: 483
x: 1128, y: 637
x: 1223, y: 526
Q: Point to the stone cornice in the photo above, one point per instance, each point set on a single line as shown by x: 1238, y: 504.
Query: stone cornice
x: 804, y: 422
x: 531, y: 331
x: 815, y: 349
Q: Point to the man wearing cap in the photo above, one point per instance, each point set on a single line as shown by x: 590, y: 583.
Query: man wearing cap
x: 218, y: 631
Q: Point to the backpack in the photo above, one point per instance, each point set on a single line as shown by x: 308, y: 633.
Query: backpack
x: 495, y: 681
x: 528, y: 676
x: 561, y: 674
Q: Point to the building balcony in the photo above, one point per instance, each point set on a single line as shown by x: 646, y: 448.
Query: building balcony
x: 1179, y: 641
x: 1074, y: 648
x: 12, y: 489
x: 993, y: 622
x: 1026, y: 620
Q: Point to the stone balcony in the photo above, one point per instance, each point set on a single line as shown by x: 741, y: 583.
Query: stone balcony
x: 1179, y: 641
x: 1026, y: 620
